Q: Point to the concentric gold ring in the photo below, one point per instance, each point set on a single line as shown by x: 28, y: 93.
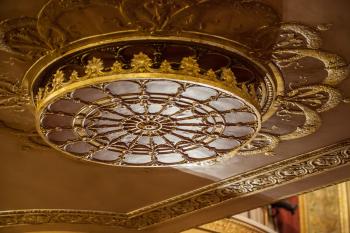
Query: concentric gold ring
x: 85, y: 139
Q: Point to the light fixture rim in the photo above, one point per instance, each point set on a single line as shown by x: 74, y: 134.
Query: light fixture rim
x: 272, y: 72
x: 157, y: 76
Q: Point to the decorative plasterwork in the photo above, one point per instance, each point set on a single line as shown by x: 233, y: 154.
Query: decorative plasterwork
x: 297, y: 104
x: 258, y: 180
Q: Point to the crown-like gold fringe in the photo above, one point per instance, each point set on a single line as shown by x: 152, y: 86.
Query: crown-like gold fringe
x: 141, y: 63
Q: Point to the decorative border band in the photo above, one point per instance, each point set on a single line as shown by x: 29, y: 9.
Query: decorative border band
x: 280, y: 173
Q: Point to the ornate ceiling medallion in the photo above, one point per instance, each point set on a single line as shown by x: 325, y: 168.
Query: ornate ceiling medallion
x: 149, y: 102
x: 156, y: 84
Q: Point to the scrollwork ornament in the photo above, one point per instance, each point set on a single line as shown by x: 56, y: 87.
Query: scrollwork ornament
x: 263, y: 143
x: 336, y: 67
x: 296, y: 35
x: 19, y: 36
x: 13, y: 96
x: 56, y: 34
x: 311, y: 123
x: 319, y: 97
x: 154, y: 15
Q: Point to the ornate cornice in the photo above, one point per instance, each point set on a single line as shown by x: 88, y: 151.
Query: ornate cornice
x: 252, y: 182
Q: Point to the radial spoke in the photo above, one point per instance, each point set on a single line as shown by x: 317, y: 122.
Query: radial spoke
x: 115, y: 112
x: 195, y: 124
x: 193, y: 141
x: 133, y: 143
x: 104, y: 126
x: 184, y: 138
x: 189, y: 117
x: 180, y: 91
x: 110, y: 132
x: 117, y: 139
x: 104, y: 119
x: 175, y: 148
x: 59, y: 113
x: 69, y: 142
x: 192, y: 131
x: 151, y: 145
x: 155, y: 122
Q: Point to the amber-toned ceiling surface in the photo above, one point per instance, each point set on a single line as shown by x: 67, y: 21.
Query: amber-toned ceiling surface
x: 303, y: 145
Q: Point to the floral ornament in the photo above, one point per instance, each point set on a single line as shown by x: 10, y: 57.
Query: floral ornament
x: 94, y: 67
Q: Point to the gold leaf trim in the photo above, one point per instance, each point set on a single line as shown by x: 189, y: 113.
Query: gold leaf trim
x: 267, y: 177
x: 336, y: 66
x: 141, y: 63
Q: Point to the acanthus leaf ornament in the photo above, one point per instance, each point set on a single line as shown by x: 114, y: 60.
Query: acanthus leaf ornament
x: 310, y: 126
x: 318, y: 97
x: 20, y: 37
x: 52, y: 24
x: 336, y: 67
x: 263, y: 143
x: 13, y: 96
x: 155, y: 15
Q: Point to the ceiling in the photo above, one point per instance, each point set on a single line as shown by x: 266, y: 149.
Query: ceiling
x: 302, y: 145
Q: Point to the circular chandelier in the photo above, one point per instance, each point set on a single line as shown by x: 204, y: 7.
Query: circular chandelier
x: 151, y: 101
x: 154, y: 83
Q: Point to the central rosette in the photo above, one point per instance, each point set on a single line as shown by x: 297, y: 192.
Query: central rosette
x: 151, y: 125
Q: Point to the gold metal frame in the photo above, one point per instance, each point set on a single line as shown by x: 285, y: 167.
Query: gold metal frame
x: 157, y: 76
x: 272, y: 72
x: 274, y: 82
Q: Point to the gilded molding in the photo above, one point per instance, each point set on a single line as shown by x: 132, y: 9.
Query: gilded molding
x: 258, y: 180
x: 142, y: 63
